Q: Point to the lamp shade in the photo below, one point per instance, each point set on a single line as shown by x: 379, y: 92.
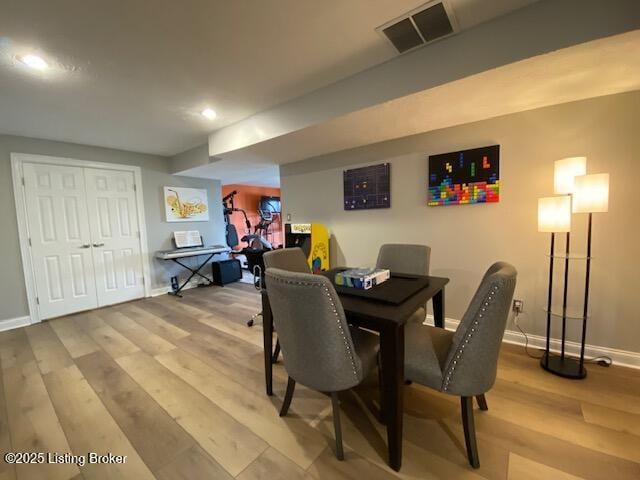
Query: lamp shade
x: 554, y: 214
x: 565, y: 171
x: 591, y: 193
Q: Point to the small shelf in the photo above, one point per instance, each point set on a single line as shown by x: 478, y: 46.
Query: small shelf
x: 557, y: 312
x: 571, y: 256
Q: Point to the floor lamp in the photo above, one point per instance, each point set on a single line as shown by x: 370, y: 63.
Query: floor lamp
x: 554, y: 216
x: 591, y: 195
x: 565, y: 172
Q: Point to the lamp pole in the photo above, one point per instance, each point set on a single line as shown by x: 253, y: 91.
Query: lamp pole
x: 549, y: 299
x: 586, y: 291
x: 565, y: 294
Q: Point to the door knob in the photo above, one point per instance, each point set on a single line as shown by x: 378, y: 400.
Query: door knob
x: 98, y: 245
x: 86, y: 245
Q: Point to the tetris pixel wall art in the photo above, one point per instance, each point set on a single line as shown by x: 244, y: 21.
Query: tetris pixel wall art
x: 469, y: 176
x: 367, y: 187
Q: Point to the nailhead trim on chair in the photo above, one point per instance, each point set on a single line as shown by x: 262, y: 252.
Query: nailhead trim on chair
x: 335, y: 312
x: 469, y: 334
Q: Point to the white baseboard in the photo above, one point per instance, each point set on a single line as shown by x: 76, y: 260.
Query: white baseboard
x: 618, y: 357
x: 12, y: 323
x: 156, y: 292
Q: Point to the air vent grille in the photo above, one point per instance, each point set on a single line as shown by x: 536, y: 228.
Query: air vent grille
x: 423, y: 25
x: 433, y: 22
x: 403, y: 35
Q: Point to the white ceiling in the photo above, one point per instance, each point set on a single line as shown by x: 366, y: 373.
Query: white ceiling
x: 134, y: 75
x: 600, y: 67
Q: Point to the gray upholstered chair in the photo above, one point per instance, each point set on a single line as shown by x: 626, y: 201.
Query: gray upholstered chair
x: 291, y: 260
x: 319, y: 349
x: 408, y: 259
x: 464, y: 362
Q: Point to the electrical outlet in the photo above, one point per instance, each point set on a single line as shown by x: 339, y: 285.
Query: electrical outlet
x: 288, y: 217
x: 518, y: 306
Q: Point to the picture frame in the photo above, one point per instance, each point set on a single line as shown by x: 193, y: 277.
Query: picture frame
x: 184, y: 204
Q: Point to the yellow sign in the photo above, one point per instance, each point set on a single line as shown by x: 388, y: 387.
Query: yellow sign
x: 300, y: 228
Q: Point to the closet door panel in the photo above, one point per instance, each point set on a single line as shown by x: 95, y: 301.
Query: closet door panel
x: 58, y: 224
x: 115, y: 238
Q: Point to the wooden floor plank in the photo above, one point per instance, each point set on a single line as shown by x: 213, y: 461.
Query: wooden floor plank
x: 33, y: 422
x: 90, y: 428
x: 145, y: 340
x: 230, y: 443
x: 15, y: 349
x: 611, y: 418
x: 7, y: 470
x: 292, y: 435
x: 251, y: 335
x: 49, y: 351
x: 157, y: 437
x: 521, y: 468
x: 183, y: 321
x: 272, y: 465
x: 354, y: 466
x: 520, y: 369
x: 546, y: 449
x: 113, y: 342
x: 180, y: 306
x: 567, y: 428
x: 248, y: 370
x: 153, y: 323
x: 74, y: 339
x: 193, y: 464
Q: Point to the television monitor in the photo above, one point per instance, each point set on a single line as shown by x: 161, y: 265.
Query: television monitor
x: 269, y: 204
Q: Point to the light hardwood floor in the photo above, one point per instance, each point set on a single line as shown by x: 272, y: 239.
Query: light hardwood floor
x: 177, y: 386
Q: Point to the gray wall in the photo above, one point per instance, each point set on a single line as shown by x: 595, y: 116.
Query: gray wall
x: 155, y: 175
x: 466, y: 239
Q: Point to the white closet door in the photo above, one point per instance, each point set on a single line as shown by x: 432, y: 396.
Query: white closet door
x: 113, y: 221
x: 58, y: 226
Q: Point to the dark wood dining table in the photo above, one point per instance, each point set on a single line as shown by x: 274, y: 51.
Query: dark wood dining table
x: 388, y: 319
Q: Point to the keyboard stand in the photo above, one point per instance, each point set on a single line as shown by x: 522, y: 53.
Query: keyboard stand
x: 193, y: 273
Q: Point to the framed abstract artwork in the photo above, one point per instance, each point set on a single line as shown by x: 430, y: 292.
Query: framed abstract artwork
x: 464, y: 177
x: 367, y: 187
x: 186, y: 204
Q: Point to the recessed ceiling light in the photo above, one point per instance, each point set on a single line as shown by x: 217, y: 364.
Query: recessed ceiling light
x: 209, y: 113
x: 34, y: 61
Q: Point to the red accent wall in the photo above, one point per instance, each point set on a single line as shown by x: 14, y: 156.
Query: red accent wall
x: 248, y: 198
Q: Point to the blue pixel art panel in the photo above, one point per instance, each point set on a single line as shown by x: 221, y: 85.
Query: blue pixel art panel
x: 367, y: 187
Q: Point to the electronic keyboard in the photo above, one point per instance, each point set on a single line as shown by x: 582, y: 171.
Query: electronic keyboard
x: 191, y: 252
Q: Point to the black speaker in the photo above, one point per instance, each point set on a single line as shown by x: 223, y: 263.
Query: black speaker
x: 226, y: 271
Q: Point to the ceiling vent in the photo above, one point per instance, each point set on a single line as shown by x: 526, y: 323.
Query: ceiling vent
x: 425, y: 24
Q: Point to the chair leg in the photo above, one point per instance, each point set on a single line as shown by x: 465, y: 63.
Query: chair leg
x: 276, y: 352
x: 482, y: 402
x: 291, y: 385
x: 469, y: 431
x: 335, y: 404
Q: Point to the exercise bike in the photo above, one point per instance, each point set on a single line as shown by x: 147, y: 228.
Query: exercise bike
x: 253, y: 240
x: 256, y: 246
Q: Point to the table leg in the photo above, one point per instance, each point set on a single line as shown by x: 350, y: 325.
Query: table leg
x: 392, y: 361
x: 438, y: 309
x: 267, y: 336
